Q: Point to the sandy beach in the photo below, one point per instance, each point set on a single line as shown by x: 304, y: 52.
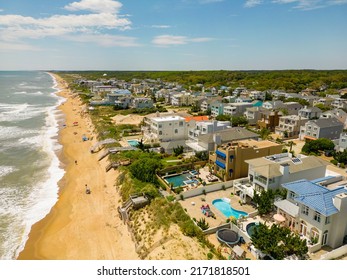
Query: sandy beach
x: 81, y: 226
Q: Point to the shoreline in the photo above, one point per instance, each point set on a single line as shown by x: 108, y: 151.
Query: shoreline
x: 80, y: 226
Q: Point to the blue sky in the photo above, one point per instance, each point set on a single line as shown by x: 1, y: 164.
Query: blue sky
x: 173, y: 35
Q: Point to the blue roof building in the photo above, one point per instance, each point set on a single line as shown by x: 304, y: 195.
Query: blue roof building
x: 317, y: 210
x: 314, y: 196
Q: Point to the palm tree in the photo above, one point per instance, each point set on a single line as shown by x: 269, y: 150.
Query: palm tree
x: 290, y: 144
x: 264, y: 133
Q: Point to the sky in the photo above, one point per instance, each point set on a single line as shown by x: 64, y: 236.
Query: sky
x: 173, y: 34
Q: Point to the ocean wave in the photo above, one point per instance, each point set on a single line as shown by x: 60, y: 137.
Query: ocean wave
x: 4, y: 170
x: 19, y: 112
x: 26, y: 204
x: 35, y: 93
x: 15, y: 132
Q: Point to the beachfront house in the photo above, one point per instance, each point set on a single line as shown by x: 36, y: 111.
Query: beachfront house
x: 270, y: 172
x: 205, y: 127
x: 316, y: 210
x: 229, y: 159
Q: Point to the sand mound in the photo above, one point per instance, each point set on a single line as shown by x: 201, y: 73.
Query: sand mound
x: 128, y: 119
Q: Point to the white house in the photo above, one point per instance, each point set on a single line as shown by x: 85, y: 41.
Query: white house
x: 317, y: 210
x: 204, y: 127
x: 271, y: 172
x: 290, y: 125
x: 165, y: 128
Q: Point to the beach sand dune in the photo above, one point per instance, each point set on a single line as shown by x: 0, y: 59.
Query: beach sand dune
x: 81, y: 226
x: 128, y: 119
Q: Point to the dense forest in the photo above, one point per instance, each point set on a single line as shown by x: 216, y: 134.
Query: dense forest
x: 287, y: 80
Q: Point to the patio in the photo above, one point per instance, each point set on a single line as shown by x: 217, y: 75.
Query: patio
x: 193, y: 204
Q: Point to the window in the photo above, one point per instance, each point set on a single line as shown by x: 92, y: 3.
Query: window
x: 327, y: 220
x: 305, y: 210
x: 160, y: 133
x: 176, y: 131
x: 160, y: 125
x: 291, y: 195
x: 180, y: 123
x: 317, y: 217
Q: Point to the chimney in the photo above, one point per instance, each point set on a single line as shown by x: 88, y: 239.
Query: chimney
x: 284, y: 169
x: 217, y: 140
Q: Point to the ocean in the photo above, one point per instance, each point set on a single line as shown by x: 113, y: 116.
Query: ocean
x: 29, y: 166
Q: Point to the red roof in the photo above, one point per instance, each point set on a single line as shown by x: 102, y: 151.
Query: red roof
x: 197, y: 118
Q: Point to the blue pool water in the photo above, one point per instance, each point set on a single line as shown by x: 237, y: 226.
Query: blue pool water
x: 226, y: 209
x: 250, y: 228
x: 133, y: 143
x: 180, y: 180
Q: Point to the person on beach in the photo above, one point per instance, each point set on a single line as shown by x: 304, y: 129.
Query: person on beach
x: 87, y: 190
x: 76, y: 162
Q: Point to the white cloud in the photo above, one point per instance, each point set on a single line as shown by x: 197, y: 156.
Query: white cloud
x: 161, y: 26
x: 105, y: 40
x: 4, y: 46
x: 100, y: 6
x: 253, y: 3
x: 167, y: 40
x: 15, y: 28
x: 311, y: 4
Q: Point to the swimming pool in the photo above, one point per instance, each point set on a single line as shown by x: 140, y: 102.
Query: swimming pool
x: 180, y: 180
x: 223, y: 206
x: 250, y: 228
x: 133, y: 143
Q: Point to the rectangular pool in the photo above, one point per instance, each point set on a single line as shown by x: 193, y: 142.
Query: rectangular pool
x: 133, y: 143
x: 180, y: 180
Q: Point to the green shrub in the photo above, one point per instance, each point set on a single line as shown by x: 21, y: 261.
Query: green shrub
x: 209, y: 256
x: 334, y: 161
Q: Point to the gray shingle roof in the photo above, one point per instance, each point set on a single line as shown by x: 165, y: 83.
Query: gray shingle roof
x: 322, y: 123
x: 231, y: 134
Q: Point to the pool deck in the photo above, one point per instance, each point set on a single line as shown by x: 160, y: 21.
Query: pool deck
x: 193, y: 205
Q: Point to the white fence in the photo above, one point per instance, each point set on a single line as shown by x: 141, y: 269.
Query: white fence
x: 208, y: 189
x: 339, y: 252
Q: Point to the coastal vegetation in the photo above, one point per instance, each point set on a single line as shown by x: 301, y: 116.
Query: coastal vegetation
x: 287, y: 80
x: 278, y: 242
x: 265, y: 200
x: 316, y: 147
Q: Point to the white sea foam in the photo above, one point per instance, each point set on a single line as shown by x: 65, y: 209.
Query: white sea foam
x: 4, y: 170
x: 18, y: 112
x: 45, y: 194
x: 14, y: 132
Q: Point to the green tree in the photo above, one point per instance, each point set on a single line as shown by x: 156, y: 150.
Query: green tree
x: 264, y: 201
x: 178, y: 150
x: 290, y: 144
x: 264, y: 133
x: 318, y: 146
x: 223, y: 118
x: 203, y: 155
x: 145, y: 169
x: 239, y: 121
x: 141, y: 145
x: 323, y: 107
x: 203, y: 224
x: 340, y: 157
x: 278, y: 242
